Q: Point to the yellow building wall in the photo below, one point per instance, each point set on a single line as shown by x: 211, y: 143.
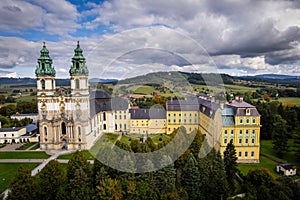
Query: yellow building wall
x: 246, y: 138
x: 157, y: 126
x: 188, y: 119
x: 139, y: 126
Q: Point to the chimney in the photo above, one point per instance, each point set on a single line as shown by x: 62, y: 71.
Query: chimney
x: 237, y: 98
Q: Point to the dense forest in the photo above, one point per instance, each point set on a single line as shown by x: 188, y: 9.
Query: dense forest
x: 190, y: 177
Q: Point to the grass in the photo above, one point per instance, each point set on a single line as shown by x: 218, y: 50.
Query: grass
x: 8, y: 171
x: 264, y: 163
x: 24, y: 155
x: 289, y: 156
x: 126, y: 139
x: 290, y: 100
x: 35, y: 147
x: 266, y: 148
x: 86, y: 154
x: 26, y: 98
x: 27, y: 145
x: 163, y: 137
x: 111, y: 137
x: 238, y: 88
x: 144, y: 90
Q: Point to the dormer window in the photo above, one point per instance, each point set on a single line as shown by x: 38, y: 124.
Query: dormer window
x: 247, y: 111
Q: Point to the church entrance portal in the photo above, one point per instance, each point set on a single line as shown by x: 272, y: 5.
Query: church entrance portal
x: 64, y: 144
x: 63, y: 128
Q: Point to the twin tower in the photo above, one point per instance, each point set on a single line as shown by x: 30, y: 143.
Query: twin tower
x: 64, y: 113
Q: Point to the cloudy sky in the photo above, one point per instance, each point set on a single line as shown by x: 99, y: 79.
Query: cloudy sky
x: 124, y: 38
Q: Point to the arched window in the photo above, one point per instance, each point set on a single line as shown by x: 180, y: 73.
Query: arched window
x: 43, y: 84
x: 43, y: 66
x: 104, y: 116
x: 104, y: 126
x: 63, y: 128
x: 77, y: 84
x: 79, y: 130
x: 45, y: 130
x: 77, y: 65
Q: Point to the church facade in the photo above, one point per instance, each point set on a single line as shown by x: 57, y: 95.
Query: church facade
x: 64, y: 115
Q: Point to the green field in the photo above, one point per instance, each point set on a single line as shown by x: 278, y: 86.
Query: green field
x: 163, y: 137
x: 264, y: 163
x: 86, y: 154
x: 238, y: 88
x: 8, y: 171
x: 267, y: 149
x: 26, y: 98
x: 26, y: 146
x: 289, y: 156
x: 290, y: 100
x: 23, y: 155
x: 144, y: 90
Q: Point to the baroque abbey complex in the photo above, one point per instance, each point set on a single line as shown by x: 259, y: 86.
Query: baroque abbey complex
x: 76, y: 117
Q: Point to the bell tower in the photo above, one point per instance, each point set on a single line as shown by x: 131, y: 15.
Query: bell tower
x: 79, y: 73
x: 80, y: 105
x: 45, y: 73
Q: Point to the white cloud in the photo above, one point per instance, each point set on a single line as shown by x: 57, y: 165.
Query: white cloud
x: 56, y: 17
x: 240, y: 37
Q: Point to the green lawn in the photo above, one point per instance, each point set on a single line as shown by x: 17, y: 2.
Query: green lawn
x: 8, y: 171
x: 163, y: 137
x: 289, y: 156
x: 86, y: 154
x: 26, y: 98
x: 27, y: 145
x: 111, y: 137
x: 290, y: 100
x: 266, y: 148
x: 35, y: 147
x: 264, y: 163
x: 144, y: 90
x: 127, y: 140
x: 238, y: 88
x: 23, y: 155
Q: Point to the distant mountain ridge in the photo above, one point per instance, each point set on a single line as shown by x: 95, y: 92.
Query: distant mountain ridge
x: 100, y: 80
x: 159, y: 77
x: 273, y: 76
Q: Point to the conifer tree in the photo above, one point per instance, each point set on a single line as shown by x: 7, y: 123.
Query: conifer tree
x: 230, y: 164
x: 108, y: 189
x: 79, y: 186
x: 76, y: 162
x: 23, y: 186
x: 164, y: 178
x: 212, y: 171
x: 52, y: 178
x: 190, y: 179
x: 280, y: 139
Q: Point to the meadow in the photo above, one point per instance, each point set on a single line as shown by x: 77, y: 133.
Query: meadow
x: 8, y: 171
